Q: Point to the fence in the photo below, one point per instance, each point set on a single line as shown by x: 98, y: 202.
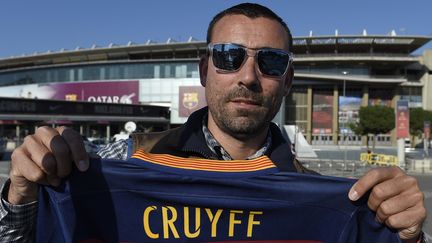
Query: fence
x: 355, y: 168
x: 419, y: 165
x: 347, y: 168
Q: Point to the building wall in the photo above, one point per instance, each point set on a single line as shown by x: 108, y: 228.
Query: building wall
x: 427, y: 80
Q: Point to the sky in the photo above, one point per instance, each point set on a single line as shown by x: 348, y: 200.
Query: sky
x: 28, y: 26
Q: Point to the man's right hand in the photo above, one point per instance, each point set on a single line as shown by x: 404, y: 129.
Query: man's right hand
x: 44, y: 158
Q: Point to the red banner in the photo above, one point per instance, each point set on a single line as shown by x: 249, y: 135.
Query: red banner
x: 402, y: 119
x: 426, y: 129
x: 322, y: 113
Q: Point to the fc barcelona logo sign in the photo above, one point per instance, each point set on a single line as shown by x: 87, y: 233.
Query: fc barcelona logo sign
x: 190, y: 100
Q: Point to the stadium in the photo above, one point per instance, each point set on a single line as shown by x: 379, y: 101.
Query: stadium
x: 157, y: 85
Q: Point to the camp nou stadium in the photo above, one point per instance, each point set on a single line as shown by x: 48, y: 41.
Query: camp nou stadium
x: 156, y: 85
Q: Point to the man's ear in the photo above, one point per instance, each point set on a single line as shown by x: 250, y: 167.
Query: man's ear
x: 203, y: 69
x: 288, y: 80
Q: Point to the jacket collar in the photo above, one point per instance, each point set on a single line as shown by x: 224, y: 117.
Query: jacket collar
x: 193, y: 140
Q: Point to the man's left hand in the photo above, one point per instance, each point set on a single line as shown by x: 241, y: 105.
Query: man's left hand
x: 395, y: 197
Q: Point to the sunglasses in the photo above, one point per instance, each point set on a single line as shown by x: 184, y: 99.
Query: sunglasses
x: 229, y: 57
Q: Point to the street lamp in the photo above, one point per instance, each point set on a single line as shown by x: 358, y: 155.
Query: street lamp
x: 345, y: 73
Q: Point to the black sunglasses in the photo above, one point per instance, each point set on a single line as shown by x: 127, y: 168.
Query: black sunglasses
x: 229, y: 57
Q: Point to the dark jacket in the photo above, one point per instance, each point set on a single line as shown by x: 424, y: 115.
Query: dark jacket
x: 188, y: 141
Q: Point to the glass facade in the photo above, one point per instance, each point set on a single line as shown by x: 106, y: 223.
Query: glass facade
x: 296, y: 108
x: 101, y: 72
x: 413, y: 95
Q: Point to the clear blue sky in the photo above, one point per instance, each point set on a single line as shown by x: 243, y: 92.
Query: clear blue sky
x: 40, y: 25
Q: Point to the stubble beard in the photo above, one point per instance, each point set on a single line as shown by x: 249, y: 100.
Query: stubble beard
x: 242, y: 123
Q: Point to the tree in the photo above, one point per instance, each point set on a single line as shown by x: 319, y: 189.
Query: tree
x: 417, y: 118
x: 374, y: 120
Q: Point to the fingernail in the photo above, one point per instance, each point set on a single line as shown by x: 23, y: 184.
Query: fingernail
x: 353, y: 195
x: 83, y: 165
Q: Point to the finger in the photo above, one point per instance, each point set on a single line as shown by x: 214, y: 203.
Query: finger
x: 76, y: 145
x: 398, y: 204
x: 372, y: 178
x: 58, y: 147
x: 391, y: 188
x: 408, y: 222
x: 39, y: 154
x: 22, y: 166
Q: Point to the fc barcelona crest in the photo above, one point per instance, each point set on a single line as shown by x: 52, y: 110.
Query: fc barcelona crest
x: 190, y: 100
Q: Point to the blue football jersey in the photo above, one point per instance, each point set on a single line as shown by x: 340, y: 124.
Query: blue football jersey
x: 163, y: 198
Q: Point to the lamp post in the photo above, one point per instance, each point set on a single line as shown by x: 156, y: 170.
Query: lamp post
x: 345, y: 73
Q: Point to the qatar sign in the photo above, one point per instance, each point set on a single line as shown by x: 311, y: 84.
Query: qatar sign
x: 122, y: 92
x: 402, y: 119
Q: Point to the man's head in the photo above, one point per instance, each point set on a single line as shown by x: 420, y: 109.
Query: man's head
x: 251, y: 10
x: 247, y: 71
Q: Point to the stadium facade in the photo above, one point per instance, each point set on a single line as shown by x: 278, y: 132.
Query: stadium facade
x: 334, y: 77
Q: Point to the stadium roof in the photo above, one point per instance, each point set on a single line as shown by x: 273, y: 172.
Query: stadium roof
x: 311, y: 45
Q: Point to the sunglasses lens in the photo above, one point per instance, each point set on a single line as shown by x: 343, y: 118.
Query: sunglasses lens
x: 228, y: 57
x: 273, y: 62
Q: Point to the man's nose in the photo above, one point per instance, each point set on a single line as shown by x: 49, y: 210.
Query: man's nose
x: 249, y: 73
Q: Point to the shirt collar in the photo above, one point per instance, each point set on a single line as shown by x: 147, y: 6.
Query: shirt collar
x: 221, y: 153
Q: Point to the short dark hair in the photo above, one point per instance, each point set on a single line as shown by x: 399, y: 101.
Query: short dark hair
x: 251, y: 10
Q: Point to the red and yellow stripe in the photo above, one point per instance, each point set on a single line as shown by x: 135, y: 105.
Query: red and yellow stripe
x: 260, y: 163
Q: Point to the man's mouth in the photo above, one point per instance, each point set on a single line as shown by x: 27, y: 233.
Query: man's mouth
x: 245, y: 101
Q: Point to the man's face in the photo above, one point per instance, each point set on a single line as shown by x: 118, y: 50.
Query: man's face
x: 242, y: 103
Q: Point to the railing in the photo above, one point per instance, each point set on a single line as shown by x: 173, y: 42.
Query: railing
x: 356, y: 168
x: 419, y: 165
x: 336, y: 167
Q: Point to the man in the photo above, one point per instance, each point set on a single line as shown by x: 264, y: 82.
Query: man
x: 246, y: 74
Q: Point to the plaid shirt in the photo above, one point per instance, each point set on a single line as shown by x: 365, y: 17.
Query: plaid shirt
x: 17, y: 222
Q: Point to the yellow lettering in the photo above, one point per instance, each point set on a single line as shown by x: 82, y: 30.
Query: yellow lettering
x: 251, y: 222
x: 146, y: 222
x: 233, y: 221
x: 168, y: 223
x: 214, y: 220
x: 188, y: 234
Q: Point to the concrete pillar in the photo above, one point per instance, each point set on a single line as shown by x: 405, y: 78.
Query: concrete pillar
x: 335, y: 114
x: 309, y: 115
x: 18, y: 135
x: 364, y: 103
x: 396, y: 97
x: 401, y: 152
x: 108, y: 133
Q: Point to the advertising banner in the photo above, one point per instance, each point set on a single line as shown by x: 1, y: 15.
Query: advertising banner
x: 349, y: 107
x: 402, y: 119
x: 380, y: 97
x: 123, y: 92
x: 191, y: 98
x: 426, y: 129
x: 322, y: 114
